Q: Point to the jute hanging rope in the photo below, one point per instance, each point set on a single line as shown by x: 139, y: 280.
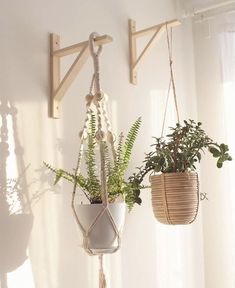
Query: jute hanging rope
x: 103, y: 134
x: 171, y: 81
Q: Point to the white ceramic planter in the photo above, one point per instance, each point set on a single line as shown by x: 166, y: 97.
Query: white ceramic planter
x: 102, y: 238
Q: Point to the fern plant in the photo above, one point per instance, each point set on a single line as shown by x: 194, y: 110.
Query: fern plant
x: 115, y: 169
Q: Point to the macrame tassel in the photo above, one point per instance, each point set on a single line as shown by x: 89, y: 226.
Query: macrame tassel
x: 102, y: 280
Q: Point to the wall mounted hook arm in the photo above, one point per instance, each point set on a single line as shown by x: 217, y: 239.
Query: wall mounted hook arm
x: 157, y: 31
x: 58, y: 86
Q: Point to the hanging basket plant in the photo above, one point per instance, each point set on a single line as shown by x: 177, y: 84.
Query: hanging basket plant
x: 102, y: 218
x: 175, y: 157
x: 103, y: 182
x: 174, y: 185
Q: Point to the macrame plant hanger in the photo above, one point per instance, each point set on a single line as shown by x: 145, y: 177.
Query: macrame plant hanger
x: 99, y: 99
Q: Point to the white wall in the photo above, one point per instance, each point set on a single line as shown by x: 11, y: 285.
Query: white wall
x: 152, y: 255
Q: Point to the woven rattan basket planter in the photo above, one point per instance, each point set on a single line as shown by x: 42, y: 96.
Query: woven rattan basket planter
x: 175, y: 197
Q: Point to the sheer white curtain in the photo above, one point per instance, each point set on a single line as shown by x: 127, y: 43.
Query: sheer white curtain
x: 227, y: 48
x: 214, y: 40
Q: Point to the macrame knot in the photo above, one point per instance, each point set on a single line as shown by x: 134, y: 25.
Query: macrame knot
x: 110, y: 137
x: 99, y: 135
x: 99, y: 96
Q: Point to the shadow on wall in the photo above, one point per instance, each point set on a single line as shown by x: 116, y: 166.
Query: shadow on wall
x: 16, y: 217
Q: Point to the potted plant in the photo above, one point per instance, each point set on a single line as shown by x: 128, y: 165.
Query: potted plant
x: 175, y: 195
x: 103, y: 237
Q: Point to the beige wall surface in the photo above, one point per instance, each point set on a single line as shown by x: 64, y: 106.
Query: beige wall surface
x: 152, y: 255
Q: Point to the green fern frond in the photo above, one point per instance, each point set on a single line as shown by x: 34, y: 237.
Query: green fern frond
x: 119, y: 150
x: 60, y: 173
x: 116, y: 183
x: 93, y: 183
x: 90, y: 152
x: 108, y: 161
x: 129, y: 142
x: 92, y: 123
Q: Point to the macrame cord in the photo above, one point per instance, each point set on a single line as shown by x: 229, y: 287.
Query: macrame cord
x: 171, y: 81
x: 99, y: 99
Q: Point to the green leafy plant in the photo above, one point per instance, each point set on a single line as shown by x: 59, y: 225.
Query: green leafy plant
x: 180, y: 150
x: 114, y: 168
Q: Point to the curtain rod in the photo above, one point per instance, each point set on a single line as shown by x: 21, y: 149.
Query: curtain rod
x: 213, y: 7
x: 196, y: 12
x: 198, y: 18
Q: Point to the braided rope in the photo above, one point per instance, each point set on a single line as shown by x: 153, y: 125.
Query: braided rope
x: 110, y: 135
x: 102, y: 280
x: 95, y: 56
x: 100, y: 133
x: 105, y: 113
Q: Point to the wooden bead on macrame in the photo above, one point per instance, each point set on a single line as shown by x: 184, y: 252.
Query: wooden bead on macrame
x: 83, y: 134
x: 98, y: 97
x: 89, y: 98
x: 99, y: 135
x: 110, y: 137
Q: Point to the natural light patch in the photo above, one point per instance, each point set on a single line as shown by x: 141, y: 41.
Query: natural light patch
x: 15, y: 224
x: 12, y: 182
x: 11, y: 159
x: 14, y: 196
x: 21, y: 277
x: 169, y: 270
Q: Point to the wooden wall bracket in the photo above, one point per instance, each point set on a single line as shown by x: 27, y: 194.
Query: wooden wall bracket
x: 157, y: 31
x: 58, y: 86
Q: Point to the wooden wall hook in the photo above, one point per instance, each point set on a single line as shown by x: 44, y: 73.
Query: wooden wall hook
x: 157, y: 31
x: 58, y: 86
